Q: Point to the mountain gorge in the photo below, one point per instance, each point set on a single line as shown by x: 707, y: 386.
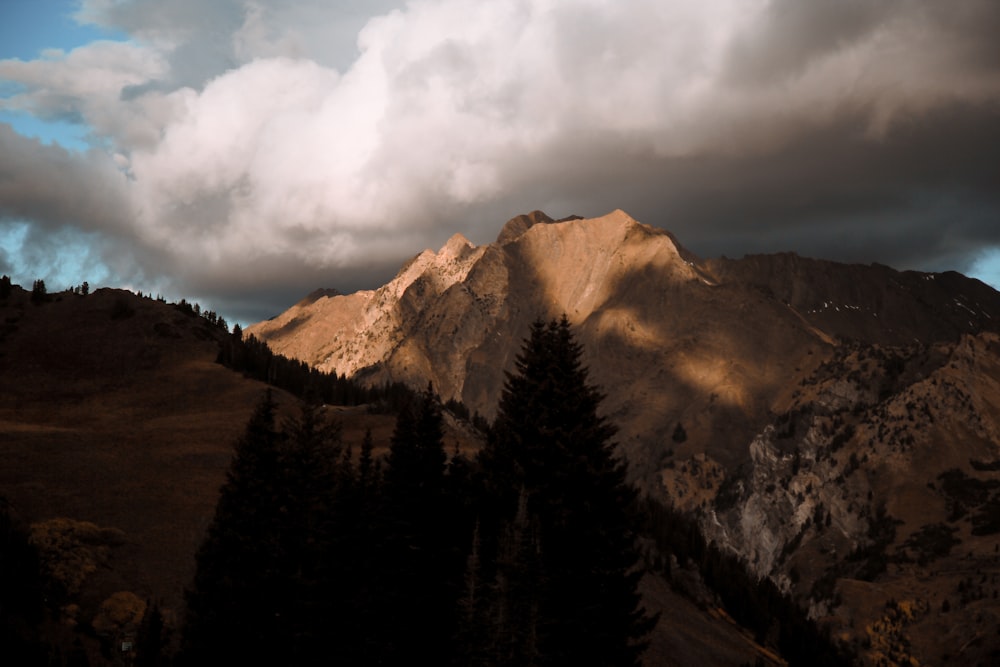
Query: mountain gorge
x: 836, y: 426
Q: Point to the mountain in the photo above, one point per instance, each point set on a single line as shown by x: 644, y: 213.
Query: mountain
x: 836, y: 426
x: 712, y: 345
x: 116, y: 431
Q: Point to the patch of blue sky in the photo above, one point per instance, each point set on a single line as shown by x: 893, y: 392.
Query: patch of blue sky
x: 12, y: 236
x: 29, y: 27
x: 61, y: 262
x: 71, y: 136
x: 987, y: 267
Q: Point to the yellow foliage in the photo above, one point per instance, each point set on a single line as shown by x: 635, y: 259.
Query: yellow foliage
x: 122, y: 612
x: 71, y: 550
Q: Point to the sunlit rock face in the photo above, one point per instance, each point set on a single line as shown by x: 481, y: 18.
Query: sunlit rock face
x: 717, y: 346
x: 662, y: 338
x: 824, y: 421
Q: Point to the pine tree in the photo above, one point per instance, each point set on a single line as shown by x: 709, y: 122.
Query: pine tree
x: 152, y: 638
x: 234, y: 607
x: 420, y: 597
x: 416, y: 463
x: 357, y: 626
x: 369, y: 470
x: 517, y: 628
x: 39, y: 294
x: 311, y: 475
x: 549, y: 441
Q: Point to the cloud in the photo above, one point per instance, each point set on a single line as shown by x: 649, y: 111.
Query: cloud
x: 261, y: 147
x: 54, y: 188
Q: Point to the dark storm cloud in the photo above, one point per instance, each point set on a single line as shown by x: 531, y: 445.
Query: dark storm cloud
x: 263, y: 149
x: 923, y: 197
x: 789, y: 35
x: 55, y: 188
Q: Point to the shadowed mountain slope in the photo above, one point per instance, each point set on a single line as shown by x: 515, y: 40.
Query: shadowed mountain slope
x: 836, y: 426
x: 114, y: 412
x: 712, y: 345
x: 116, y: 429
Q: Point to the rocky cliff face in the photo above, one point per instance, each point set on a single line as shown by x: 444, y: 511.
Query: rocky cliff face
x: 875, y: 499
x: 714, y: 345
x: 839, y: 424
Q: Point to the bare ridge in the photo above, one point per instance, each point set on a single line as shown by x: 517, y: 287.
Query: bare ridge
x: 668, y: 336
x: 518, y: 225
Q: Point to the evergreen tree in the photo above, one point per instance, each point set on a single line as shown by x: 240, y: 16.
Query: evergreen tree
x: 310, y: 477
x: 679, y: 435
x: 517, y: 628
x: 369, y: 470
x: 549, y: 442
x: 420, y: 574
x: 416, y: 464
x: 22, y: 597
x: 39, y: 293
x: 472, y: 634
x: 151, y: 638
x: 357, y: 626
x: 234, y: 607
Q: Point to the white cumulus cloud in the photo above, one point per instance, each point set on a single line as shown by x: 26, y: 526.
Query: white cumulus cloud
x: 241, y: 146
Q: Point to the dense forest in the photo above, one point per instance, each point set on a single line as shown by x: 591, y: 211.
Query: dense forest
x: 525, y: 556
x: 253, y: 358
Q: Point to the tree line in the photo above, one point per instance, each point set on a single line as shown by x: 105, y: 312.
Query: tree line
x: 524, y: 555
x: 756, y: 603
x: 252, y: 357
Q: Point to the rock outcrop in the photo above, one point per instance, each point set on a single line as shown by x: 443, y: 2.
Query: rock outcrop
x: 715, y: 346
x: 836, y: 425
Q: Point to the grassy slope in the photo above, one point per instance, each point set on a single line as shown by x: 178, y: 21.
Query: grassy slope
x: 128, y: 422
x: 125, y: 422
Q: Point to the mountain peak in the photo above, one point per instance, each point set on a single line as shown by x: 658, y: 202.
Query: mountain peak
x: 316, y: 295
x: 456, y: 246
x: 518, y: 225
x: 621, y: 217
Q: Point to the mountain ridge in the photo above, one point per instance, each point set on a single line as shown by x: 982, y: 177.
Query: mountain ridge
x: 646, y: 308
x: 823, y: 421
x: 116, y: 428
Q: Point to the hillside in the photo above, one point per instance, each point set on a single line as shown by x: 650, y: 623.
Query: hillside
x: 116, y: 430
x: 835, y: 425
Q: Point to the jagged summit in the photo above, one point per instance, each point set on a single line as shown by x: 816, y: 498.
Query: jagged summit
x: 652, y: 317
x: 317, y: 294
x: 538, y: 267
x: 518, y: 225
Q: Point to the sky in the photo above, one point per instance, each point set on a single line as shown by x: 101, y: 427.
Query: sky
x: 241, y: 153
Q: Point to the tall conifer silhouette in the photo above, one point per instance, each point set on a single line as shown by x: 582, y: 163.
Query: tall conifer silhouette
x: 550, y: 460
x: 234, y: 606
x: 417, y: 569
